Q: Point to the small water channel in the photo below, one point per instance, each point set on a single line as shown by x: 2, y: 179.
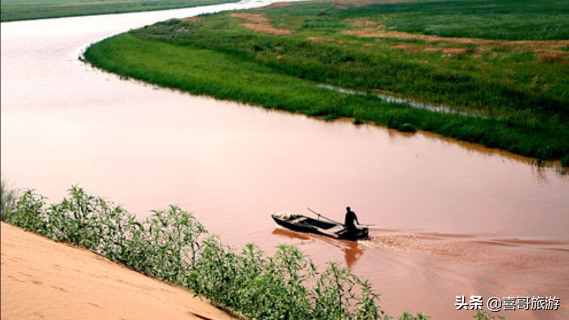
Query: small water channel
x: 404, y: 101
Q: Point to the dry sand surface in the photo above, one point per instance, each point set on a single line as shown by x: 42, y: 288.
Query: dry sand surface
x: 259, y: 23
x: 43, y: 279
x: 551, y: 50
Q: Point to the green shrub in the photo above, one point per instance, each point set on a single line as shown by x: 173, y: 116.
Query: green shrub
x: 7, y: 200
x: 565, y: 161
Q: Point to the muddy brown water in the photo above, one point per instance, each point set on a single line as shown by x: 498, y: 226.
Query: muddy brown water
x: 455, y: 218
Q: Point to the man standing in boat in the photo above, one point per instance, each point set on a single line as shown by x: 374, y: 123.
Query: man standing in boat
x: 350, y: 218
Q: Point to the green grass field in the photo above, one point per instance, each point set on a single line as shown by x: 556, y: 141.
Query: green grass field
x: 490, y: 19
x: 510, y: 83
x: 12, y: 10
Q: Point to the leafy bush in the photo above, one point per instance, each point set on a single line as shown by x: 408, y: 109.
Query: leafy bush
x: 7, y: 198
x: 565, y: 161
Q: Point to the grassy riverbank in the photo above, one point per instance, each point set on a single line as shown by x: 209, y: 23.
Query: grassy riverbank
x: 509, y: 87
x: 12, y: 10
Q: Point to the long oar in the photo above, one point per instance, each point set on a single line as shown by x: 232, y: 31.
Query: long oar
x: 331, y: 220
x: 319, y: 215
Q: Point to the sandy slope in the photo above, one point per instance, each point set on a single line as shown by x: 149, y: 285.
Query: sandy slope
x: 42, y: 279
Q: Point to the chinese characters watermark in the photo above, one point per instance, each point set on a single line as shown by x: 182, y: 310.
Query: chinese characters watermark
x: 510, y: 303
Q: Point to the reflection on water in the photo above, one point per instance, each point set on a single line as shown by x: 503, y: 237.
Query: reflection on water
x: 415, y: 268
x: 352, y: 250
x: 291, y: 234
x: 541, y: 169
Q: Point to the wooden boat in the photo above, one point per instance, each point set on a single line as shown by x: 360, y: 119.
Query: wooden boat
x: 301, y: 223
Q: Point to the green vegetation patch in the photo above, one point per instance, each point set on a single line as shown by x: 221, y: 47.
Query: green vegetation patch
x: 12, y: 10
x: 512, y: 95
x: 8, y: 198
x: 489, y: 19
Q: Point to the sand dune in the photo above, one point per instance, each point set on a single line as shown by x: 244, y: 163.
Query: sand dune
x: 43, y: 279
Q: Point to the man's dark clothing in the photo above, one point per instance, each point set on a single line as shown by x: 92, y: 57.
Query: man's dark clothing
x: 350, y: 218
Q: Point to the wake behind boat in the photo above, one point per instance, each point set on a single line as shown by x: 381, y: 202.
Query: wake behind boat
x: 301, y: 223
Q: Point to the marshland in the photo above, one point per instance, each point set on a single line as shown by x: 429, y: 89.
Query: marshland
x: 507, y: 66
x: 467, y: 202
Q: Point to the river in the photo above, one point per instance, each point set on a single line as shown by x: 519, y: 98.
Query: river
x: 455, y: 218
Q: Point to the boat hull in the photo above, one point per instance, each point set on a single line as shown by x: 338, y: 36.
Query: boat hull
x: 305, y: 224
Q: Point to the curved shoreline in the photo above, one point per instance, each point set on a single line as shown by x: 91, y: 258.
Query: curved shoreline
x: 117, y: 55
